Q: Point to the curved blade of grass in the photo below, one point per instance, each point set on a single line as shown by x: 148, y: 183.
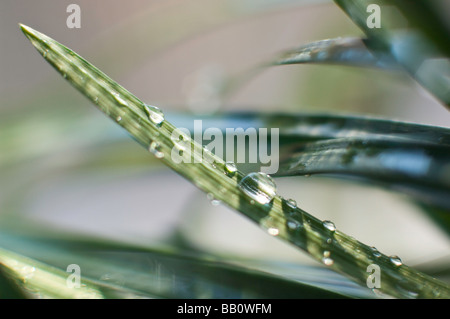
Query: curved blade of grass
x: 347, y: 51
x: 310, y: 127
x: 417, y: 169
x: 344, y: 253
x: 413, y: 34
x: 112, y: 270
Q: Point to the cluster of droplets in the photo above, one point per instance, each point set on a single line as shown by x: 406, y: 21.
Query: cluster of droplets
x: 326, y: 259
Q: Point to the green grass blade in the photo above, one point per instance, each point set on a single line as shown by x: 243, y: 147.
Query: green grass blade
x: 111, y: 270
x: 346, y: 51
x: 416, y: 169
x: 414, y: 34
x: 335, y: 249
x: 310, y: 127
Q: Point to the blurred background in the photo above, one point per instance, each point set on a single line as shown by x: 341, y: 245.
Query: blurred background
x: 67, y: 170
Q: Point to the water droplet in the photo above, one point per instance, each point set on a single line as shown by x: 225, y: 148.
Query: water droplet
x: 119, y: 99
x: 27, y: 272
x: 273, y: 231
x: 395, y: 260
x: 154, y: 114
x: 375, y: 252
x: 329, y: 241
x: 326, y: 253
x: 293, y: 225
x: 259, y: 186
x: 230, y: 168
x: 291, y: 203
x: 329, y: 225
x: 327, y: 261
x: 119, y: 118
x: 212, y: 200
x: 44, y: 54
x: 155, y: 149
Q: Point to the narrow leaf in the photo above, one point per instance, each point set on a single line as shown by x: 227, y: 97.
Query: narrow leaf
x: 343, y: 253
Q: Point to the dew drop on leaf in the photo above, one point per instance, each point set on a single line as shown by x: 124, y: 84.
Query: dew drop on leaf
x: 395, y: 260
x: 154, y: 114
x: 329, y: 225
x: 259, y: 187
x: 155, y: 149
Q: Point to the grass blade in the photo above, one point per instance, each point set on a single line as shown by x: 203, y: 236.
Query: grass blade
x: 413, y: 34
x: 347, y: 51
x: 343, y: 253
x: 413, y: 168
x: 112, y: 270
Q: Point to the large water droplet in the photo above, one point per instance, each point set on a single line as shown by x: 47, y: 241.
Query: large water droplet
x: 230, y: 168
x: 259, y: 186
x: 154, y: 114
x: 329, y: 225
x: 396, y: 260
x: 155, y: 149
x: 273, y: 231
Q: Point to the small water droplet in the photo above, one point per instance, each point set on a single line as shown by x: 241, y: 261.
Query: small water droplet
x: 155, y: 149
x: 395, y: 260
x: 291, y: 203
x: 119, y: 99
x: 44, y: 54
x: 375, y: 252
x: 329, y: 241
x: 119, y: 118
x: 273, y: 231
x: 327, y: 261
x: 293, y: 225
x: 326, y: 253
x: 329, y: 225
x: 212, y: 200
x: 230, y: 168
x: 259, y: 186
x: 27, y: 272
x: 154, y: 114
